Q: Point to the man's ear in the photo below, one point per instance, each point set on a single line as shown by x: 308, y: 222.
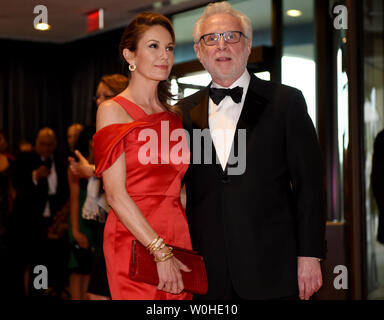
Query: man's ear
x: 196, y: 47
x: 128, y: 55
x: 249, y: 46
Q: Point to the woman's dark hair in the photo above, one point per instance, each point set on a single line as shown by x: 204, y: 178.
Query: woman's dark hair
x: 133, y: 33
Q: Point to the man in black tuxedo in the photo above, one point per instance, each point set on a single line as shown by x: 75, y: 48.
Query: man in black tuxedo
x: 256, y: 211
x: 377, y: 181
x: 40, y: 181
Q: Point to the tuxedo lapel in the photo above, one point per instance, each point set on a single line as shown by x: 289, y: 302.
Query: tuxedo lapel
x: 254, y: 105
x: 199, y: 118
x: 199, y: 114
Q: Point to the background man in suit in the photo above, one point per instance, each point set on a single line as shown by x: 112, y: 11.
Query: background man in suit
x: 41, y: 185
x: 261, y: 232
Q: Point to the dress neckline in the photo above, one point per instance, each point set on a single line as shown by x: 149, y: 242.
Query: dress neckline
x: 138, y: 108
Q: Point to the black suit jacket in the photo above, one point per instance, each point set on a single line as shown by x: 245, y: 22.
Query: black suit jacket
x: 27, y: 222
x: 377, y: 181
x: 252, y: 227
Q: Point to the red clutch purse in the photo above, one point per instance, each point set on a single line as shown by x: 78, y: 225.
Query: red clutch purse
x: 143, y: 268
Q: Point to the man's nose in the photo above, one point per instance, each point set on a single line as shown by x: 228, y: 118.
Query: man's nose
x: 221, y: 43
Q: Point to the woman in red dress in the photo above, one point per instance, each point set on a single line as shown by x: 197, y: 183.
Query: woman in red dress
x: 143, y: 184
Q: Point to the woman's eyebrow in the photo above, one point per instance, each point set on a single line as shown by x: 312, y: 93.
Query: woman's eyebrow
x: 159, y: 41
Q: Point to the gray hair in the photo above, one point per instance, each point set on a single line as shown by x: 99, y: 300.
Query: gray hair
x: 222, y: 7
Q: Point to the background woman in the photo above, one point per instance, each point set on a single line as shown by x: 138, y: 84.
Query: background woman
x: 80, y: 234
x: 109, y: 86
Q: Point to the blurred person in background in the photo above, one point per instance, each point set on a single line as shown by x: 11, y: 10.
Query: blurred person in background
x: 73, y: 133
x: 80, y: 231
x: 108, y: 87
x: 40, y: 181
x: 6, y: 160
x: 24, y: 146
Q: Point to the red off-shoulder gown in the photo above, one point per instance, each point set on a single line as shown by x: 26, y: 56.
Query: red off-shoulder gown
x: 155, y: 188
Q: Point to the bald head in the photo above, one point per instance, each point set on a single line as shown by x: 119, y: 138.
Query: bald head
x: 46, y: 142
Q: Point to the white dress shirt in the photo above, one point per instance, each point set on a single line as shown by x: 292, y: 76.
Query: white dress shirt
x: 223, y: 118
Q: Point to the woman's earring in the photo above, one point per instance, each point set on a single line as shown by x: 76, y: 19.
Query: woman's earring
x: 132, y: 67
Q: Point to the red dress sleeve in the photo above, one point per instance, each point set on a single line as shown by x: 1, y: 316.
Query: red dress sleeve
x: 108, y: 144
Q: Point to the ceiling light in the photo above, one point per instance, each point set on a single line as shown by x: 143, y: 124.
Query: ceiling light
x: 294, y: 13
x: 42, y: 26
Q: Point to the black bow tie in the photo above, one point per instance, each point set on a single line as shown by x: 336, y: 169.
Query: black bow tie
x: 219, y: 94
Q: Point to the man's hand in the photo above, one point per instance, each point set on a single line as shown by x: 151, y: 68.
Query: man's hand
x: 309, y: 276
x: 41, y: 172
x: 82, y: 168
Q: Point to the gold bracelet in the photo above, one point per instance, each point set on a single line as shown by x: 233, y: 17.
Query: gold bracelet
x: 162, y: 246
x: 152, y: 243
x: 158, y: 245
x: 164, y: 256
x: 164, y: 259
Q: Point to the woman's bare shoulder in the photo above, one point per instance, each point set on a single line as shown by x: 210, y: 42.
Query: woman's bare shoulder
x: 110, y: 112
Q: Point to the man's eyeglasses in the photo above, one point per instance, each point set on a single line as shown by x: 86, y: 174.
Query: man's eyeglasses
x: 212, y: 39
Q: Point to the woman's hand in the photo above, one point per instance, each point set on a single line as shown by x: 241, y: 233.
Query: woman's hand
x: 170, y: 279
x: 81, y: 168
x: 81, y: 239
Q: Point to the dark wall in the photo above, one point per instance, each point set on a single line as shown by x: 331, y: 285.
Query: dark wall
x: 53, y: 84
x: 88, y: 60
x: 31, y: 85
